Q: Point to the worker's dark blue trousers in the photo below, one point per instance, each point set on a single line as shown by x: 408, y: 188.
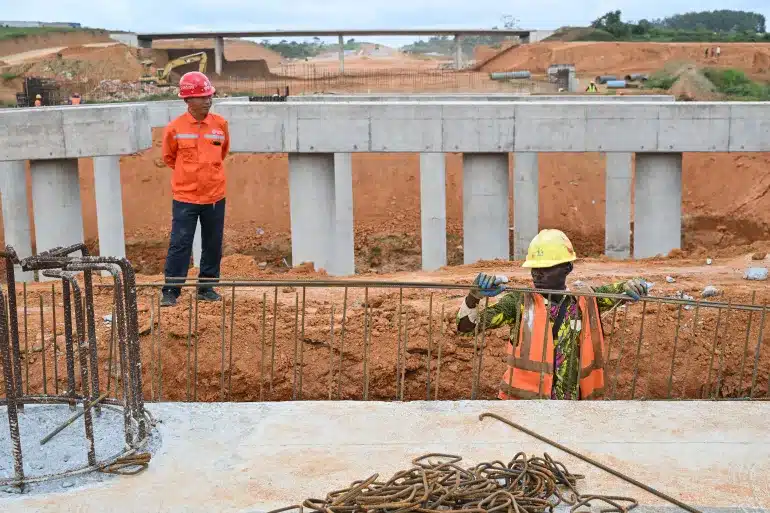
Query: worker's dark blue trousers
x: 184, y: 218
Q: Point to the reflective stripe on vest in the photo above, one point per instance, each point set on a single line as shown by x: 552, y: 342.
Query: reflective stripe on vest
x: 529, y: 372
x: 215, y: 137
x: 591, y: 352
x: 186, y: 136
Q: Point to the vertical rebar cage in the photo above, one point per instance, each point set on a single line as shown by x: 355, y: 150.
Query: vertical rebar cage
x: 81, y: 366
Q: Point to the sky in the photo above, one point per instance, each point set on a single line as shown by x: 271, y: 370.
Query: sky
x: 203, y: 15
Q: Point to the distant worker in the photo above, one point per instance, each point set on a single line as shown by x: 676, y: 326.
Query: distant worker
x: 560, y: 336
x: 718, y: 51
x: 38, y: 100
x: 75, y: 99
x: 591, y: 87
x: 194, y: 146
x: 707, y: 53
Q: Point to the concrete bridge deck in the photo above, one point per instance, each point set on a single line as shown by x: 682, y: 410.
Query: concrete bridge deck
x: 252, y: 457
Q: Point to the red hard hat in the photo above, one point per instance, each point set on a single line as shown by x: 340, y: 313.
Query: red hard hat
x: 195, y: 85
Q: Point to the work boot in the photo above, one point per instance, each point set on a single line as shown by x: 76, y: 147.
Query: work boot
x: 168, y: 299
x: 209, y: 295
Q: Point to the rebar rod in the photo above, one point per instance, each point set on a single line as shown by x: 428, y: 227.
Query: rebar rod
x: 593, y: 462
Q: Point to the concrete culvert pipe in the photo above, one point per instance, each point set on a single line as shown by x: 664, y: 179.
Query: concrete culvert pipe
x: 510, y: 75
x: 636, y: 77
x: 603, y: 79
x: 616, y: 84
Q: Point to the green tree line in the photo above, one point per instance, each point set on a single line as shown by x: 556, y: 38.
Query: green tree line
x: 307, y: 49
x: 722, y: 25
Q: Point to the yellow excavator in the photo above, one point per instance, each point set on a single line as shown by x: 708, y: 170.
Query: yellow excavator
x: 162, y: 76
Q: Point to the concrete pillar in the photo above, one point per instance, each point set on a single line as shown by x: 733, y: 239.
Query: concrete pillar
x: 344, y: 262
x: 526, y: 195
x: 458, y: 51
x: 485, y: 206
x: 617, y: 214
x: 658, y: 204
x: 16, y: 225
x: 219, y: 54
x: 342, y: 53
x: 433, y: 210
x: 311, y: 206
x: 56, y: 204
x: 109, y: 207
x: 197, y: 245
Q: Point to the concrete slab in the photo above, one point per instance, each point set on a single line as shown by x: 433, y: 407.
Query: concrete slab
x: 499, y: 126
x: 252, y: 457
x: 73, y: 131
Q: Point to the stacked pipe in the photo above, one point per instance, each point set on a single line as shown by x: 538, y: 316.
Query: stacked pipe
x: 80, y: 343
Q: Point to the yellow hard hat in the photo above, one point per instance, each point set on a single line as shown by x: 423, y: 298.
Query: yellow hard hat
x: 549, y: 248
x: 37, y: 96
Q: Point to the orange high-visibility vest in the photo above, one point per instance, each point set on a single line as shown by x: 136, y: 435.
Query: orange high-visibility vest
x: 530, y: 364
x: 75, y: 100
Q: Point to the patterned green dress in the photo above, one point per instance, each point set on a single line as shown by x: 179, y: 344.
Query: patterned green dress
x: 507, y: 311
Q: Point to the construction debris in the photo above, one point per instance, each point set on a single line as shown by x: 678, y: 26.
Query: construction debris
x: 755, y: 273
x: 710, y: 291
x: 117, y: 90
x: 437, y: 483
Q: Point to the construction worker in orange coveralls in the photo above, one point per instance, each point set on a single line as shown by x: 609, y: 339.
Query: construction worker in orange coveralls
x: 570, y: 366
x: 194, y: 146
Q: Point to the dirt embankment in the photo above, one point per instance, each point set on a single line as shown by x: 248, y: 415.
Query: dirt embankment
x: 52, y: 39
x: 235, y: 49
x: 592, y: 58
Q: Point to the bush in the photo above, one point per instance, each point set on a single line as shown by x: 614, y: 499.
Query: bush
x: 596, y: 35
x: 735, y: 83
x: 660, y: 80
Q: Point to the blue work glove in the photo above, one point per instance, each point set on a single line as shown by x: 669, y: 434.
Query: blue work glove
x: 635, y: 288
x: 488, y: 285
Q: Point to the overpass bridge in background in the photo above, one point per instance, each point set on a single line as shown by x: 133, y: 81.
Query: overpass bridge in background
x: 525, y: 35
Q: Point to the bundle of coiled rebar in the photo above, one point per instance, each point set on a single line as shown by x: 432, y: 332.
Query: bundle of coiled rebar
x: 436, y: 483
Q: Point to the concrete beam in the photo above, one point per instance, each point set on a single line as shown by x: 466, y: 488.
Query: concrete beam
x: 658, y: 204
x: 344, y: 262
x: 474, y: 97
x: 219, y: 54
x: 482, y: 127
x: 16, y: 225
x: 618, y: 193
x: 56, y: 204
x: 109, y: 207
x: 485, y: 207
x: 433, y: 210
x: 342, y: 53
x: 74, y: 131
x: 526, y: 196
x: 311, y: 206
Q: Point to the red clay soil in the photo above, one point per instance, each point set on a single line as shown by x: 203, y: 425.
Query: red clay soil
x: 620, y: 58
x: 52, y: 39
x: 263, y: 359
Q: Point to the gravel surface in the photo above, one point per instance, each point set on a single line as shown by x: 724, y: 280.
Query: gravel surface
x: 66, y: 451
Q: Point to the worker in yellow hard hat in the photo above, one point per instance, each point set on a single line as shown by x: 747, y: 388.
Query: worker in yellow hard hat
x: 38, y: 100
x: 591, y: 87
x: 557, y: 352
